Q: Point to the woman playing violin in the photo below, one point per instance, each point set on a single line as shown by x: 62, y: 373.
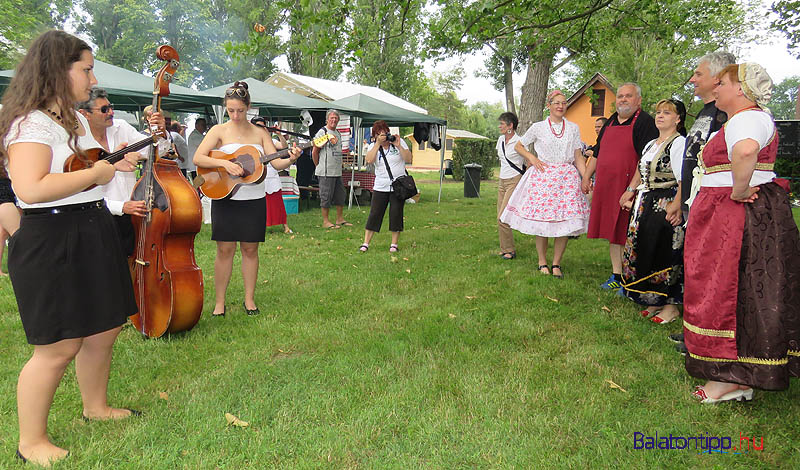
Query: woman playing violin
x: 72, y: 285
x: 240, y: 217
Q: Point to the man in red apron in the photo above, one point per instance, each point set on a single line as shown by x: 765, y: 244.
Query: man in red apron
x: 618, y: 150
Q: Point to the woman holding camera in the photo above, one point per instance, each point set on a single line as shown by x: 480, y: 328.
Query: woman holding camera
x: 390, y: 154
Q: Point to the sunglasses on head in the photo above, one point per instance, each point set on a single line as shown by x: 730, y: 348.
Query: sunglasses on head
x: 240, y: 92
x: 104, y: 109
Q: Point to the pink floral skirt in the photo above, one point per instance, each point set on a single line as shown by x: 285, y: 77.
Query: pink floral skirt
x: 549, y: 203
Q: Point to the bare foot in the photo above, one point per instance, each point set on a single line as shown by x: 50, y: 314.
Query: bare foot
x: 110, y: 413
x: 43, y: 454
x: 669, y: 313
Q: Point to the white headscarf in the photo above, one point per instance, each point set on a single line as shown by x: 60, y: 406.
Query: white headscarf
x: 756, y: 83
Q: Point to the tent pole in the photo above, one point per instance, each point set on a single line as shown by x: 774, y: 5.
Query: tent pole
x: 355, y: 122
x: 443, y: 136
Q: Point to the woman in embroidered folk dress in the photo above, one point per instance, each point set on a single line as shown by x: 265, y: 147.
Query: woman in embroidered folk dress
x: 241, y: 217
x: 395, y: 154
x: 73, y: 288
x: 742, y: 253
x: 548, y: 201
x: 652, y: 260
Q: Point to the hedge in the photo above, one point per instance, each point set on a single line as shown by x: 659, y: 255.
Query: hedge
x: 480, y: 151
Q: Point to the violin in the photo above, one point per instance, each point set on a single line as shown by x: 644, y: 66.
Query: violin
x: 167, y: 282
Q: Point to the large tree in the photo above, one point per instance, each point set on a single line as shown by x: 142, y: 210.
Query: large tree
x: 23, y: 20
x: 788, y: 22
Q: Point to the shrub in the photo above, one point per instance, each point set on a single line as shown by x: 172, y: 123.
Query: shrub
x: 789, y: 169
x: 480, y: 151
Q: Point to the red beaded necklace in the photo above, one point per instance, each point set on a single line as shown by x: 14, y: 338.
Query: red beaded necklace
x: 560, y: 133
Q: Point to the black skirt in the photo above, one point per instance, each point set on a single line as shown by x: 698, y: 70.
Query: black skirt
x: 6, y: 193
x: 69, y: 275
x: 238, y: 221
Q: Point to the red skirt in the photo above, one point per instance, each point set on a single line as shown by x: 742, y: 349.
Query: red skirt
x: 742, y: 261
x: 276, y: 211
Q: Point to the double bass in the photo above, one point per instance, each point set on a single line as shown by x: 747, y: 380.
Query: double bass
x: 167, y: 282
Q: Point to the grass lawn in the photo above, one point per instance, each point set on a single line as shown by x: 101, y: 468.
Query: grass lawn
x: 441, y: 356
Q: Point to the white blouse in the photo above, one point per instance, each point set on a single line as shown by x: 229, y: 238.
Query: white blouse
x: 382, y: 181
x: 38, y: 127
x: 548, y: 147
x: 675, y: 155
x: 506, y: 150
x: 756, y: 125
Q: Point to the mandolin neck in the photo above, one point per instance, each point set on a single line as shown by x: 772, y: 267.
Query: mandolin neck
x: 120, y: 154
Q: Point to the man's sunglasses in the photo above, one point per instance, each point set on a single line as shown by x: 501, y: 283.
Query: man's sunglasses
x: 104, y: 109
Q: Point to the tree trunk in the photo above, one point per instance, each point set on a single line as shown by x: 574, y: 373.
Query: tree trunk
x: 534, y: 90
x: 797, y: 105
x: 508, y: 76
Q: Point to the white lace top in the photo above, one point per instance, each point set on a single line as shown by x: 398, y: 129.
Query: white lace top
x: 38, y: 127
x: 548, y: 147
x: 246, y: 192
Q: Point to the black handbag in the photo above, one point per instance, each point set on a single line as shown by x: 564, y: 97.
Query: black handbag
x: 403, y: 186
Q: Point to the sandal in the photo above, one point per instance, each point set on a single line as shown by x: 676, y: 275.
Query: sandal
x: 363, y: 248
x: 393, y: 248
x: 509, y: 255
x: 544, y: 266
x: 557, y: 276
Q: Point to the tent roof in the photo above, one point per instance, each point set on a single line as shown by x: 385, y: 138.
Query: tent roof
x: 131, y: 91
x: 371, y: 110
x: 272, y: 101
x: 330, y: 90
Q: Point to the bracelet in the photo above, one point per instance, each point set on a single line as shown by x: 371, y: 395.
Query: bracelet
x: 630, y: 190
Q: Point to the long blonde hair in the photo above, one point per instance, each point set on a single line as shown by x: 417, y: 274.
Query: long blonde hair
x: 42, y: 78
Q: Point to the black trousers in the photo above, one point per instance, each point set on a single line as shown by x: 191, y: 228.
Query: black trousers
x: 377, y: 209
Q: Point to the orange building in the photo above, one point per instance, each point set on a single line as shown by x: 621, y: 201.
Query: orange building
x: 583, y: 110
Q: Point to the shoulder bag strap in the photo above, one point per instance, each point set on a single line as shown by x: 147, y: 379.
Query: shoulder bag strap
x: 520, y: 170
x: 385, y: 162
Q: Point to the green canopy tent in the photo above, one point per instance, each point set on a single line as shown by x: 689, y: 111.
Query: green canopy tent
x: 271, y: 101
x: 131, y: 91
x: 366, y: 110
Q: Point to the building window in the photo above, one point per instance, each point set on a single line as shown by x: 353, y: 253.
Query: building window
x: 598, y: 102
x: 448, y: 144
x: 422, y: 145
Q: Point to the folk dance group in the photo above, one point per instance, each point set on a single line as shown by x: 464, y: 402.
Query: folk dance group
x: 735, y: 267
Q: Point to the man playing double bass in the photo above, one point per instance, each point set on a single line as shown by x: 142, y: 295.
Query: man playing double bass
x: 114, y: 134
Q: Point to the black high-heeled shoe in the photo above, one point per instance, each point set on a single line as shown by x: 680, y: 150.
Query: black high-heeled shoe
x: 224, y: 310
x: 255, y: 311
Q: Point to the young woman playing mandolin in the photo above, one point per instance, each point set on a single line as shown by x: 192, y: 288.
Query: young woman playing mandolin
x: 72, y: 285
x: 240, y: 217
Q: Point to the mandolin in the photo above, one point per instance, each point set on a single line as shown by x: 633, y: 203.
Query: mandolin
x: 217, y: 183
x: 96, y: 154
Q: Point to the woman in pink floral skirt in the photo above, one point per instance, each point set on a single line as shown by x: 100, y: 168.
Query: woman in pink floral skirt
x: 548, y: 201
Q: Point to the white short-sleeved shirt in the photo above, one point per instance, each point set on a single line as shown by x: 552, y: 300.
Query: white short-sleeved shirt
x: 548, y: 147
x: 675, y: 155
x: 38, y: 127
x: 272, y: 181
x: 246, y: 192
x: 506, y: 150
x: 382, y: 181
x: 753, y: 124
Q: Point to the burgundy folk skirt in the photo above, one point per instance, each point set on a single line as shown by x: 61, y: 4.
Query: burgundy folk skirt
x: 741, y: 317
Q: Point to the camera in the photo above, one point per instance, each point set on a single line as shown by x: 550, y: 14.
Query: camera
x: 391, y: 138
